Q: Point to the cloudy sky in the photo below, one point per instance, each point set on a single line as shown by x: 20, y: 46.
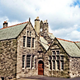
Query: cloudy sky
x: 63, y: 15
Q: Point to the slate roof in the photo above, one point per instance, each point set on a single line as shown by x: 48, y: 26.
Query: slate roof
x: 70, y: 47
x: 51, y: 35
x: 44, y: 43
x: 78, y: 44
x: 12, y: 31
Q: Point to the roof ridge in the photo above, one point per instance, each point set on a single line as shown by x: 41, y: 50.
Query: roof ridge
x: 77, y: 41
x: 14, y: 25
x: 65, y: 40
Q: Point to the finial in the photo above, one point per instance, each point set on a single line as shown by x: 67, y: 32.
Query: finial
x: 29, y: 19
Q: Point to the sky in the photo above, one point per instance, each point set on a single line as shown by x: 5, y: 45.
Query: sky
x: 63, y: 15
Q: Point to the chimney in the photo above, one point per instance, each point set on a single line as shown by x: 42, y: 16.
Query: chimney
x: 46, y: 29
x: 5, y: 24
x: 37, y: 25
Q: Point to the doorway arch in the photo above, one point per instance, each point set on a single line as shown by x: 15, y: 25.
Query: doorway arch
x: 40, y: 68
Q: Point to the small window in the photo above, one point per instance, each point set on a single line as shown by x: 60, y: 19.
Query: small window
x: 62, y: 65
x: 23, y: 61
x: 24, y: 37
x: 54, y: 58
x: 57, y: 52
x: 62, y: 57
x: 49, y: 57
x: 57, y: 57
x: 54, y: 53
x: 27, y: 33
x: 30, y: 33
x: 32, y: 42
x: 53, y: 64
x: 28, y: 60
x: 28, y: 41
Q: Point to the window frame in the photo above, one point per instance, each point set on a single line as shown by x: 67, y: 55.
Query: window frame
x: 32, y: 45
x: 62, y: 65
x: 29, y: 42
x: 23, y: 61
x: 29, y: 62
x: 53, y: 67
x: 24, y: 41
x: 59, y: 59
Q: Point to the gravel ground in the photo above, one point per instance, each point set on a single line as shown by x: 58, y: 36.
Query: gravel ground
x: 47, y: 78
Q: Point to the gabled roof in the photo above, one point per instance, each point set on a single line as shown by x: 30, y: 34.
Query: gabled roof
x: 12, y: 31
x: 44, y: 43
x: 70, y: 47
x: 51, y: 35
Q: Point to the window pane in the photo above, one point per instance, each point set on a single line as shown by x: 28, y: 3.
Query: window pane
x: 33, y: 61
x: 53, y: 64
x: 54, y: 58
x: 54, y: 53
x: 28, y: 41
x: 27, y: 33
x: 62, y: 57
x: 23, y: 61
x: 49, y: 57
x: 57, y: 57
x: 28, y: 60
x: 58, y: 67
x: 24, y: 37
x: 62, y: 65
x: 32, y: 42
x: 30, y: 33
x: 57, y: 52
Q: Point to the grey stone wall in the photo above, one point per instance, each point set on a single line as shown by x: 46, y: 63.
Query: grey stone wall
x: 74, y: 67
x: 8, y: 56
x: 57, y: 73
x: 26, y: 51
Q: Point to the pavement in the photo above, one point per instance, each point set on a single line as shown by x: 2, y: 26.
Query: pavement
x: 47, y: 78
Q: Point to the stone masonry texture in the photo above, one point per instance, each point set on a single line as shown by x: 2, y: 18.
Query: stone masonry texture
x: 8, y: 58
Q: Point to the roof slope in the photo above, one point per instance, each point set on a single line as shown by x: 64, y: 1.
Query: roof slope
x: 44, y: 43
x: 78, y: 44
x: 51, y: 35
x: 12, y: 31
x: 70, y: 47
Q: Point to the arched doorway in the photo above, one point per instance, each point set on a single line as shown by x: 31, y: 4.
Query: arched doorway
x: 40, y: 68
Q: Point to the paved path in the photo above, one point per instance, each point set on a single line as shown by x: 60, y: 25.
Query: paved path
x: 47, y: 78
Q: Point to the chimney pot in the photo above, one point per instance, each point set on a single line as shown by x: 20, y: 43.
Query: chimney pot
x: 5, y: 24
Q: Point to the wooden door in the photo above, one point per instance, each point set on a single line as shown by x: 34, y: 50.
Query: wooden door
x: 40, y: 68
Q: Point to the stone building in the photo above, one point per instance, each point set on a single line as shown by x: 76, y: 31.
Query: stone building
x: 28, y: 51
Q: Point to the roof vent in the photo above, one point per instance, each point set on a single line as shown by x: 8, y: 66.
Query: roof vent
x: 5, y: 24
